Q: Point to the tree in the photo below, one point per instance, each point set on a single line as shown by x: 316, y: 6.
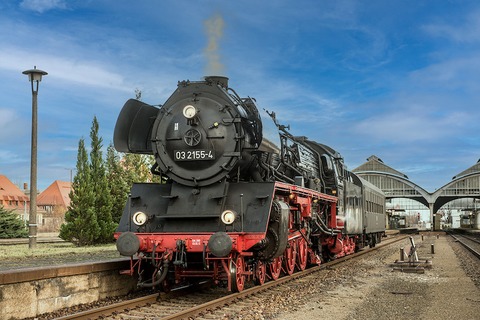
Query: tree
x: 81, y: 226
x: 89, y: 217
x: 137, y: 167
x: 100, y: 189
x: 103, y: 199
x: 118, y: 185
x: 11, y: 226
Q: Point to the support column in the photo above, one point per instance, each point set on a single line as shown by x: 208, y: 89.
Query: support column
x: 432, y: 223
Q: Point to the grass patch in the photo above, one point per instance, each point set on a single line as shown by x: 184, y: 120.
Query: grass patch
x: 51, y: 249
x: 19, y: 256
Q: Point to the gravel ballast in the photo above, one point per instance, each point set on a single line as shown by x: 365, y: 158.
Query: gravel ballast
x: 374, y: 291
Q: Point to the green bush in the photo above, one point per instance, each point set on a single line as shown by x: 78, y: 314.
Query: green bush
x: 11, y: 226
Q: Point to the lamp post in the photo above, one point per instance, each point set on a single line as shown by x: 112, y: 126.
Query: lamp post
x: 34, y: 76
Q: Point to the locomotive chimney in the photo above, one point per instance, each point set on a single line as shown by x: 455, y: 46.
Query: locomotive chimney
x: 220, y: 80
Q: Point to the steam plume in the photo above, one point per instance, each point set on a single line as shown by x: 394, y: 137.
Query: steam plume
x: 214, y: 31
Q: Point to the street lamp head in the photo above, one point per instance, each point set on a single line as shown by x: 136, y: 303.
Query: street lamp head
x: 35, y: 76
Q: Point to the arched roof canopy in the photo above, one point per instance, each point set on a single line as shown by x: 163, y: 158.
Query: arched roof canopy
x: 395, y: 186
x: 463, y: 186
x: 393, y: 183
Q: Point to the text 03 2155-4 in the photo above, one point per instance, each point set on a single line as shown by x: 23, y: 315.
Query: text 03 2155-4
x: 198, y: 154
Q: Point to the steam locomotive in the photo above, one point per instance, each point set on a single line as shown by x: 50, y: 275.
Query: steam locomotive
x: 234, y: 205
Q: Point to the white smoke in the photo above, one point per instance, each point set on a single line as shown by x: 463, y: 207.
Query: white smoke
x: 214, y: 31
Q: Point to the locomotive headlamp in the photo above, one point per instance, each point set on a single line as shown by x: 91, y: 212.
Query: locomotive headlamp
x: 189, y: 111
x: 139, y: 218
x: 228, y: 216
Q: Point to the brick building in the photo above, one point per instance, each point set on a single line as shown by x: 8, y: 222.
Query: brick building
x: 53, y: 203
x: 12, y: 198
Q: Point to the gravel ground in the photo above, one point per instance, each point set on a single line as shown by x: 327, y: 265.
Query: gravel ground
x: 370, y: 290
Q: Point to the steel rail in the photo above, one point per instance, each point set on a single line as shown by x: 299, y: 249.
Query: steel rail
x: 132, y: 303
x: 230, y: 297
x: 121, y: 306
x: 193, y: 312
x: 465, y: 245
x: 476, y: 240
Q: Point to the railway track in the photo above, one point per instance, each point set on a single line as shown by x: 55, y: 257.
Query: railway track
x: 470, y: 243
x: 195, y: 302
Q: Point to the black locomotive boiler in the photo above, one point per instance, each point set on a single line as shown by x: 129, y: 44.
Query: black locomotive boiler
x: 232, y: 205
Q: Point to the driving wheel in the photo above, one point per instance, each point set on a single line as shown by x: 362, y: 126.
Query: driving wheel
x: 237, y: 273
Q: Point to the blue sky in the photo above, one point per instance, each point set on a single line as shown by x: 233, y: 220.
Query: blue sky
x: 396, y: 79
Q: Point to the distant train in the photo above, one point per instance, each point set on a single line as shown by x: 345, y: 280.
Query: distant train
x: 232, y: 205
x: 468, y: 220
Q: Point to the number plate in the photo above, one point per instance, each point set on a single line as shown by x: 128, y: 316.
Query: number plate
x: 191, y: 155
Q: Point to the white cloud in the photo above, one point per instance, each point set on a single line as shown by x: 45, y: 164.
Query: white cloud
x: 41, y: 6
x: 465, y: 31
x: 413, y: 124
x: 7, y: 156
x: 293, y: 102
x: 75, y: 70
x: 459, y: 72
x: 12, y: 126
x: 8, y: 117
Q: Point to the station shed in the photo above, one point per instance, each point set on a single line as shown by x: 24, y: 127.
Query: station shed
x: 396, y: 184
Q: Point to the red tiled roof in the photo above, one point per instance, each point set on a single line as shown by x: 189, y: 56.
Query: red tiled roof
x: 9, y: 191
x: 56, y: 194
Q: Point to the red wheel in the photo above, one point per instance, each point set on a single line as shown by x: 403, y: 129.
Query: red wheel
x: 302, y: 254
x: 237, y: 273
x: 276, y: 267
x: 289, y: 257
x: 260, y: 272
